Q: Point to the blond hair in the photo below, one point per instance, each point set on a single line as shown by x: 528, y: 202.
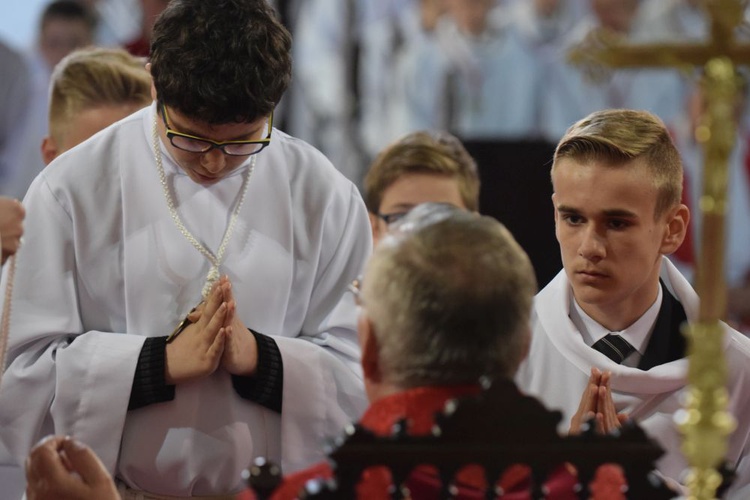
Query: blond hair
x: 422, y: 152
x: 619, y: 136
x: 449, y: 295
x: 94, y: 77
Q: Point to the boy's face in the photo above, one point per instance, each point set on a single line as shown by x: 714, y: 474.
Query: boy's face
x: 59, y: 37
x: 212, y: 166
x: 410, y: 190
x: 610, y: 242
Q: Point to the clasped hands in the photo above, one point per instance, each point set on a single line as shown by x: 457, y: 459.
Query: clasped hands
x: 61, y: 468
x: 597, y: 404
x: 216, y: 337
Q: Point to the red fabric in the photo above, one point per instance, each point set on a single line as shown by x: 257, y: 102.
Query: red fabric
x: 139, y: 47
x: 419, y: 406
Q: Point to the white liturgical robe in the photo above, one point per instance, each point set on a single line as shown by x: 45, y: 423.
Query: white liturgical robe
x: 560, y: 362
x: 104, y: 266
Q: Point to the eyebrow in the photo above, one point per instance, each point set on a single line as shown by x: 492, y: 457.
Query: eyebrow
x: 615, y: 212
x: 189, y: 131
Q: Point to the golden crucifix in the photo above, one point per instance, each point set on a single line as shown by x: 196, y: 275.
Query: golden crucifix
x: 705, y: 423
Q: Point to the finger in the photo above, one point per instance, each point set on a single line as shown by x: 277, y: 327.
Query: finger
x: 600, y: 426
x: 215, y: 324
x: 45, y: 472
x: 231, y: 312
x: 85, y: 462
x: 622, y: 418
x: 605, y: 408
x: 217, y: 347
x: 195, y: 314
x: 212, y: 304
x: 596, y: 375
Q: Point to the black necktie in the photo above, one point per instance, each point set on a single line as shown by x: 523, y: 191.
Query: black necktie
x: 614, y: 347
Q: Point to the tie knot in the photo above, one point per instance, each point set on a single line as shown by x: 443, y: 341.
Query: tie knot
x: 614, y: 347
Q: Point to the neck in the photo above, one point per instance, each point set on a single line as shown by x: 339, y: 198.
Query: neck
x: 618, y: 314
x: 380, y: 390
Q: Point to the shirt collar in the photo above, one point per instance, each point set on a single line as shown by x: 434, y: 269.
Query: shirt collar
x: 636, y: 334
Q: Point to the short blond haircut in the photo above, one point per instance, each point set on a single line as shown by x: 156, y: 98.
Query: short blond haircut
x: 438, y: 153
x: 449, y: 294
x: 616, y: 137
x: 95, y: 77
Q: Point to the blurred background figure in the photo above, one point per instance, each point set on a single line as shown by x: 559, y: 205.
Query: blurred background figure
x: 15, y: 86
x: 544, y: 22
x: 570, y: 94
x: 65, y: 25
x: 457, y: 80
x: 150, y: 10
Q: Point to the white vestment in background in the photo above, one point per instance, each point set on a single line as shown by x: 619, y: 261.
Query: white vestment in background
x: 104, y: 266
x: 559, y: 365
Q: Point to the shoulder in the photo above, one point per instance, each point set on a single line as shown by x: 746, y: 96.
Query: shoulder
x: 308, y: 173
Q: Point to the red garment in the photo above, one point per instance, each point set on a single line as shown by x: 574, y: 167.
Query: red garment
x: 419, y: 406
x: 140, y: 47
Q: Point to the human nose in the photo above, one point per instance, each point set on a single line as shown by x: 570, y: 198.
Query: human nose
x: 213, y: 161
x: 592, y: 246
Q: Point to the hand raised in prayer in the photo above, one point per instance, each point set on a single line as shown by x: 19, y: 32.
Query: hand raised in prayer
x: 240, y: 351
x: 197, y: 351
x: 597, y: 404
x: 12, y: 214
x: 61, y: 468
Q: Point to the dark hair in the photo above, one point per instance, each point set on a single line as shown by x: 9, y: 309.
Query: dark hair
x: 220, y: 61
x: 70, y: 10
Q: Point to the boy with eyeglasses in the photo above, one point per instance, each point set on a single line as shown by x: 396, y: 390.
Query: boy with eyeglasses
x: 192, y: 203
x: 420, y: 167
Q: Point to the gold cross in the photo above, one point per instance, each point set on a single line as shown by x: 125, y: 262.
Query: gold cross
x: 705, y: 422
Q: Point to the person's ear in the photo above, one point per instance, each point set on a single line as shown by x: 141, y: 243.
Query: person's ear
x: 370, y: 349
x: 49, y: 150
x: 675, y: 229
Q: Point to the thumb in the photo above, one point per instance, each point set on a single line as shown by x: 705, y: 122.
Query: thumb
x: 85, y: 462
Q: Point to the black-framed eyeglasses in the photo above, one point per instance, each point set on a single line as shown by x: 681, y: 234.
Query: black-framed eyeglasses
x: 195, y: 144
x: 391, y: 218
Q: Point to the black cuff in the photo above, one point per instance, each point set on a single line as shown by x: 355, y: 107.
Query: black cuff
x: 266, y: 385
x: 149, y: 383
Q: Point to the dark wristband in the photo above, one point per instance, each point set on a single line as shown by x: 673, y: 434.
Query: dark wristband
x: 266, y: 386
x: 149, y: 382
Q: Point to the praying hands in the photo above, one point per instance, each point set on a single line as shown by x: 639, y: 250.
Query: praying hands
x: 215, y: 337
x: 596, y: 403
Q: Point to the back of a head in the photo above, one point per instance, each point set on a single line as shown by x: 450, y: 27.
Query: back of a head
x: 92, y: 78
x: 617, y: 137
x: 449, y: 294
x: 220, y: 61
x: 438, y: 153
